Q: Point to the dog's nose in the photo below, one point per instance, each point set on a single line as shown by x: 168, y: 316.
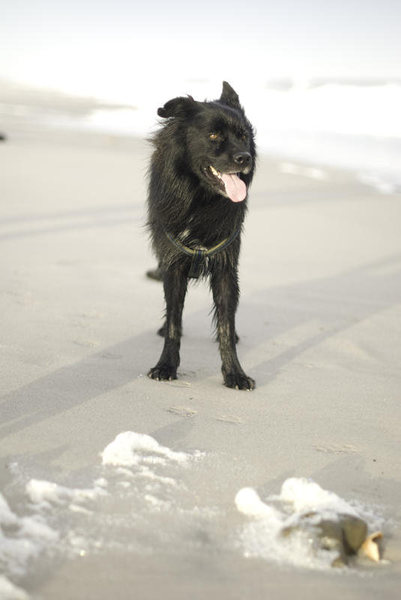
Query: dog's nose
x: 242, y: 158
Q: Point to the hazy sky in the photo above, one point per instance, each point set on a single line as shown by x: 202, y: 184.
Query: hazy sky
x: 82, y: 45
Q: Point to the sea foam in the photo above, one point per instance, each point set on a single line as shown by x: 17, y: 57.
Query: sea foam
x: 130, y: 448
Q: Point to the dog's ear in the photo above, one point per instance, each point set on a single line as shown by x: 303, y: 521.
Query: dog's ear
x: 229, y: 96
x: 178, y: 107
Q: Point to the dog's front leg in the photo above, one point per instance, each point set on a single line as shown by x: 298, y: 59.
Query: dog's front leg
x: 224, y: 283
x: 175, y: 287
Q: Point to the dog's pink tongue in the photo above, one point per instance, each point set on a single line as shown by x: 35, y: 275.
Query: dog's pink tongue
x: 235, y: 187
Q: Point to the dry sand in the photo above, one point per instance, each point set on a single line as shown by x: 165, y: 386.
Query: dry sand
x: 320, y: 328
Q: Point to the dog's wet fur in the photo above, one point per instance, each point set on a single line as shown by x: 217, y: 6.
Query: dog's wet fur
x: 203, y: 155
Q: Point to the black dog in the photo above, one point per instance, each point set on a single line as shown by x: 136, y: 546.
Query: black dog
x: 200, y: 172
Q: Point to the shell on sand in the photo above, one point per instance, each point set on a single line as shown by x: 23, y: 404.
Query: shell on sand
x: 370, y: 546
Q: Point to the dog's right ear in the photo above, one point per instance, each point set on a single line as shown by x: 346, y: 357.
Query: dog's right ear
x: 178, y: 107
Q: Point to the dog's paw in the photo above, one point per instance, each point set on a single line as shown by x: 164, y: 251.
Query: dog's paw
x: 163, y: 373
x: 239, y: 381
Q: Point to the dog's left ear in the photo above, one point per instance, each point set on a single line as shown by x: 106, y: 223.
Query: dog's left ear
x: 229, y: 96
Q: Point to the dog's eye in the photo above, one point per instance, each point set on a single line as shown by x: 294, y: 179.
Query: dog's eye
x: 213, y: 136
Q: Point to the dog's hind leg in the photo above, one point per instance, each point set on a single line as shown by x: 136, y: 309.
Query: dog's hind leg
x: 155, y: 274
x: 175, y: 287
x: 224, y: 284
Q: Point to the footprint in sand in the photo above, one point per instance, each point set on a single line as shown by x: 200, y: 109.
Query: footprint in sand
x: 182, y: 411
x: 336, y: 449
x: 232, y: 419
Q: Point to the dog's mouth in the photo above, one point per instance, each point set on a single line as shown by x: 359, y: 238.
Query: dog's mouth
x: 230, y: 185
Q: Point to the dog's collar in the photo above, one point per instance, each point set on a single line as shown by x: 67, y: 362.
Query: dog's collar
x: 200, y: 254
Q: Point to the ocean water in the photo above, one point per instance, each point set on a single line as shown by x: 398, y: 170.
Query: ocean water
x: 350, y: 125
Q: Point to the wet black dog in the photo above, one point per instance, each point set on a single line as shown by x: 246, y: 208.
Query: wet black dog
x: 200, y: 172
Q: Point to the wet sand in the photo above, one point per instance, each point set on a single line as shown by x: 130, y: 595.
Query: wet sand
x: 320, y: 328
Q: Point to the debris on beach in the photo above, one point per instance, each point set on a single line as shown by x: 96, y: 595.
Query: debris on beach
x: 371, y: 546
x: 307, y: 526
x: 347, y: 536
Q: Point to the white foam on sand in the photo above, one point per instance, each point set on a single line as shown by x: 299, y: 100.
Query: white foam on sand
x: 45, y: 493
x: 22, y: 540
x: 137, y: 481
x: 130, y: 448
x: 262, y: 536
x: 140, y: 502
x: 9, y: 591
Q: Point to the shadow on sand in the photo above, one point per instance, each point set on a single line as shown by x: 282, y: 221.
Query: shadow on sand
x: 338, y: 302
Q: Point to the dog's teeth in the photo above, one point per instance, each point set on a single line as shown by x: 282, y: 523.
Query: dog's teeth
x: 215, y: 172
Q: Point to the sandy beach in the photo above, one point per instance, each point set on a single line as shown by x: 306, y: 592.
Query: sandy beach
x: 320, y: 328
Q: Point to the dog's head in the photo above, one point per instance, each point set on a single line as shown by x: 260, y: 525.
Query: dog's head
x: 218, y: 141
